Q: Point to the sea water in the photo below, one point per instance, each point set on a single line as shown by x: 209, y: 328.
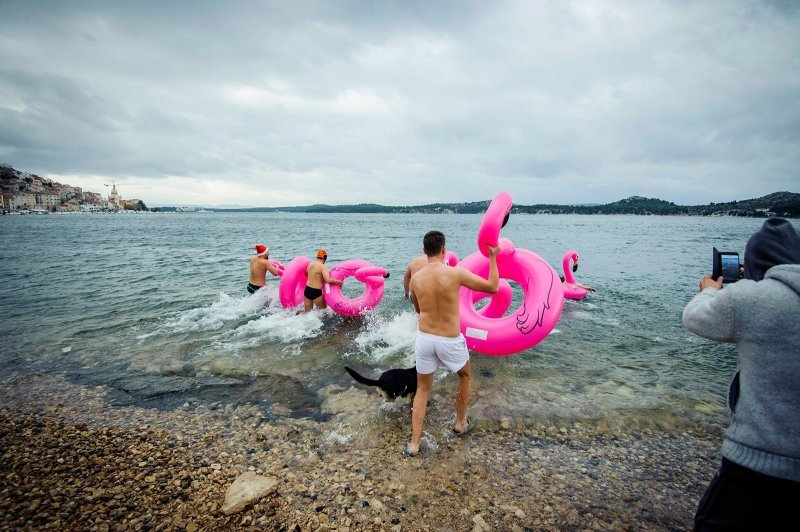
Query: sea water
x: 154, y: 307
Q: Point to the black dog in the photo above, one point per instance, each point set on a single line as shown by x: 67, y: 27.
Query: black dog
x: 393, y: 383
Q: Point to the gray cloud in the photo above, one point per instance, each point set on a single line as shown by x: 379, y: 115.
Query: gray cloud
x: 405, y: 103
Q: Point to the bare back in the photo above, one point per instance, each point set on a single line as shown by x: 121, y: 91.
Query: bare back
x: 435, y: 290
x: 317, y: 273
x: 258, y: 270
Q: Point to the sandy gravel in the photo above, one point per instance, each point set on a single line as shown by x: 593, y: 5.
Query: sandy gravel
x: 68, y: 460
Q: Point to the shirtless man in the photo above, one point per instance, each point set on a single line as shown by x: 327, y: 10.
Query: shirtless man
x: 317, y: 274
x: 259, y: 266
x: 434, y: 291
x: 413, y: 267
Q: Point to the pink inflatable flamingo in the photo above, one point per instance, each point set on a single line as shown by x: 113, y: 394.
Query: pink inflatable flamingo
x: 488, y: 331
x: 571, y: 288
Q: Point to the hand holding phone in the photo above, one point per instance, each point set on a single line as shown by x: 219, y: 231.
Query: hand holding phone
x: 708, y: 282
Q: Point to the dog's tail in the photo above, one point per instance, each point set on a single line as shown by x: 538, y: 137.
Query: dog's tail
x: 359, y: 378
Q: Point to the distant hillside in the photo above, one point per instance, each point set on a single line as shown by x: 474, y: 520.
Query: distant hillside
x: 785, y: 204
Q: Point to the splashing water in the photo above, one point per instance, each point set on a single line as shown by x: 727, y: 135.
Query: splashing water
x: 387, y: 338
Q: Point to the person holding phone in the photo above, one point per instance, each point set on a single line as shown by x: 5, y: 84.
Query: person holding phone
x: 758, y: 483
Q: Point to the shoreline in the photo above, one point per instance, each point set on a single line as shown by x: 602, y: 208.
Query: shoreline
x: 72, y: 461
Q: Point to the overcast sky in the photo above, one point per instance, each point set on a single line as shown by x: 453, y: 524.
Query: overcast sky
x: 404, y: 102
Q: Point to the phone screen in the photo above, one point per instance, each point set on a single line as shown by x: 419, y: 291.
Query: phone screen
x: 730, y: 267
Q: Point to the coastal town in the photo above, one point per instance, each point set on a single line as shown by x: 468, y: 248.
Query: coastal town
x: 26, y: 193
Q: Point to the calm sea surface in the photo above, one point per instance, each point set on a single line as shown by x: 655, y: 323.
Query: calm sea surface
x: 154, y: 306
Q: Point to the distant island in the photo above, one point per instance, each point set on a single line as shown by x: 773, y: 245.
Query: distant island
x: 786, y: 204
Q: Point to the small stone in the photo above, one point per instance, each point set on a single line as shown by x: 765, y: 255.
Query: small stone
x: 480, y: 524
x: 150, y: 478
x: 246, y: 489
x: 376, y: 504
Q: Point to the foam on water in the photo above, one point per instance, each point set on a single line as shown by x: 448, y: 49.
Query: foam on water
x: 224, y: 309
x: 281, y: 326
x: 386, y: 337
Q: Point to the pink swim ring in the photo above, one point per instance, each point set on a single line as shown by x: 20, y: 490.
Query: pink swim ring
x: 293, y: 282
x: 373, y: 278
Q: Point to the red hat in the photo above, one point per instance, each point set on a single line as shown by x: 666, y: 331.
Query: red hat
x: 261, y: 249
x: 322, y: 254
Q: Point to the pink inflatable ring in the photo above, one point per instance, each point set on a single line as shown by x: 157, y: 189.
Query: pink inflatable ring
x: 372, y: 276
x: 293, y: 282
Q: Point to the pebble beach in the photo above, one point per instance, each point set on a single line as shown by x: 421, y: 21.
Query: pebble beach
x: 70, y: 460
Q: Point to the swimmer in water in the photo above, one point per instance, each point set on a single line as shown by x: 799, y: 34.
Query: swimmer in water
x: 580, y: 285
x: 317, y: 274
x: 259, y: 266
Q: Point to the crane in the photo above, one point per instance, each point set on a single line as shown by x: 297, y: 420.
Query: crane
x: 114, y: 184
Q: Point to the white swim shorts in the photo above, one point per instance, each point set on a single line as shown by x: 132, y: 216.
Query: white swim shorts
x: 432, y: 351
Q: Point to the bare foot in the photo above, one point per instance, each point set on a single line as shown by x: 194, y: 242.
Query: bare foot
x: 411, y: 450
x: 462, y: 428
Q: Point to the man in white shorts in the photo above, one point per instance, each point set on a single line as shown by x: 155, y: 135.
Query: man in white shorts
x: 434, y: 291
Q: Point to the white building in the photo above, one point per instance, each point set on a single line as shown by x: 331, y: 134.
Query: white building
x: 47, y: 200
x: 23, y: 201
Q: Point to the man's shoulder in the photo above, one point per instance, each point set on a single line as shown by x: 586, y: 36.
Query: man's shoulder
x: 436, y: 271
x: 418, y: 263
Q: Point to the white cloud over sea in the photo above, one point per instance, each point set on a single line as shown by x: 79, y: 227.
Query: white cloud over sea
x: 291, y: 103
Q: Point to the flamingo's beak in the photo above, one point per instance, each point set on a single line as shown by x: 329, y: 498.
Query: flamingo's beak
x: 575, y: 266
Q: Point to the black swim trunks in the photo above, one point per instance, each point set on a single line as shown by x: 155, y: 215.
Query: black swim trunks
x: 312, y: 293
x: 252, y: 288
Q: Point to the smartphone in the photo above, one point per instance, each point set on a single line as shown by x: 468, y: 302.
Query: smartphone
x: 725, y: 264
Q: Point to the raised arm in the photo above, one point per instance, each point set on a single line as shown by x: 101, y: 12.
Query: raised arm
x: 326, y: 276
x: 478, y: 283
x: 271, y: 268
